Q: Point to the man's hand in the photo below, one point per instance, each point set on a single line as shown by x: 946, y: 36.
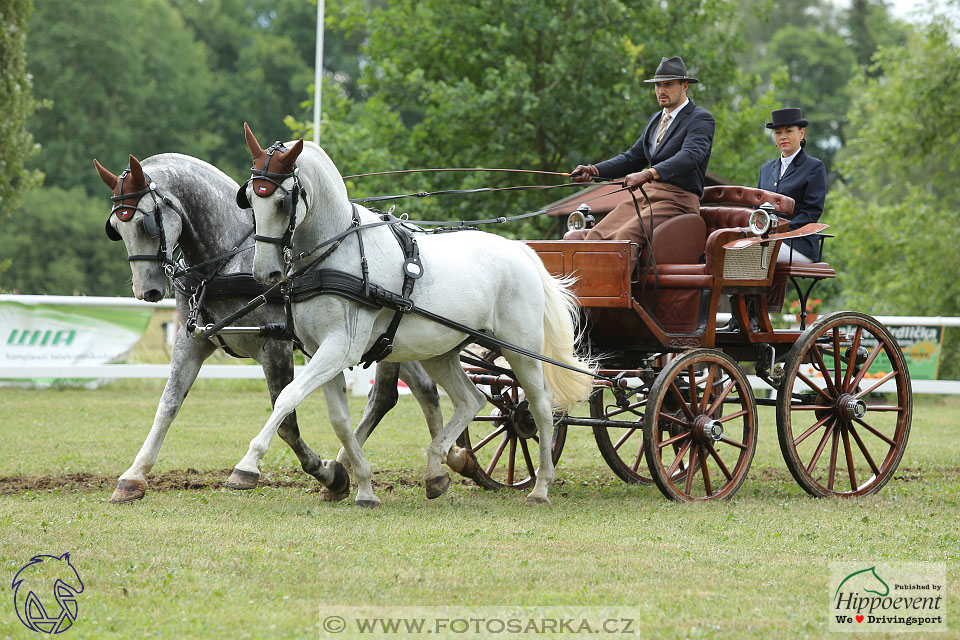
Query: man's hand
x: 634, y: 180
x: 584, y: 173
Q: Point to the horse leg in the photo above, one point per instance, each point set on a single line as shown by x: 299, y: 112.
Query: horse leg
x: 382, y: 397
x: 188, y: 355
x: 529, y: 373
x: 338, y: 407
x: 467, y: 401
x: 326, y: 365
x: 277, y: 363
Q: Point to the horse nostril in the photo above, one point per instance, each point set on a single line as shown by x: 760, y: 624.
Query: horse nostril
x: 153, y: 295
x: 275, y: 276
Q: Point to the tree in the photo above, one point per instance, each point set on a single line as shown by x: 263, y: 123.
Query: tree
x: 122, y: 78
x: 517, y: 84
x: 17, y: 105
x: 893, y: 215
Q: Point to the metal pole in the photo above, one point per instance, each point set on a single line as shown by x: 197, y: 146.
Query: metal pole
x: 318, y: 73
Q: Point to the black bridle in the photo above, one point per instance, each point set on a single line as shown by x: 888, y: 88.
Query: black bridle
x: 291, y: 197
x: 151, y: 221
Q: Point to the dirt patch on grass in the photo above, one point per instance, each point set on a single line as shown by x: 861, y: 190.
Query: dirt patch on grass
x: 185, y: 480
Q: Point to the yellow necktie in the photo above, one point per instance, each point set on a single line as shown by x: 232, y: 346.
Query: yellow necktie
x: 662, y: 129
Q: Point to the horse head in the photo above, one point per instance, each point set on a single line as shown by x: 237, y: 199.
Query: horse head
x: 148, y: 231
x: 274, y: 193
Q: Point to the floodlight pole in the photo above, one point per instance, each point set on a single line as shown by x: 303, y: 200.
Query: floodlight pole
x: 318, y: 74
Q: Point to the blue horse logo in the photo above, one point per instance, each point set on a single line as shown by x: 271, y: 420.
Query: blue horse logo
x: 41, y: 577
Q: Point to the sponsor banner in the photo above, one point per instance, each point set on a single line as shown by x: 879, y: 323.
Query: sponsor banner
x: 921, y: 346
x: 890, y: 597
x: 38, y: 334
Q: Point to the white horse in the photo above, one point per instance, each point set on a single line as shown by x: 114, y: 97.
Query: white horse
x: 480, y: 280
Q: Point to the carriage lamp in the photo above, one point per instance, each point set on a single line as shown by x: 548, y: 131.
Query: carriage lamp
x: 762, y: 220
x: 580, y: 219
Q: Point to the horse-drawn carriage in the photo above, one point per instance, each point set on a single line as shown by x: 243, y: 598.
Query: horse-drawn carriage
x: 348, y: 285
x: 672, y: 403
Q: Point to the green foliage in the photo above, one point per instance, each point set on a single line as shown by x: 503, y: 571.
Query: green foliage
x: 17, y: 104
x: 56, y: 243
x: 892, y: 215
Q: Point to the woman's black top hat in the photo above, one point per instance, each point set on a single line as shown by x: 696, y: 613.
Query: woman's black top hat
x: 789, y: 117
x: 671, y: 69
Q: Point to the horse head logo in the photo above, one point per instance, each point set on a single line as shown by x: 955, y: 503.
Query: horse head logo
x: 866, y: 580
x: 57, y: 582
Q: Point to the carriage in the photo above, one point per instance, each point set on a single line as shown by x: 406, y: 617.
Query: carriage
x: 673, y: 403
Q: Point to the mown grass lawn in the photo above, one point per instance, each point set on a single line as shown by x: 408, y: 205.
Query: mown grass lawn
x: 208, y: 562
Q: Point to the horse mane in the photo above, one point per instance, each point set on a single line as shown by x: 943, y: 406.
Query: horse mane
x: 333, y: 183
x: 190, y: 159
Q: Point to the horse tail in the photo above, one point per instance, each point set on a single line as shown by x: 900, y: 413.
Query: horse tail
x: 561, y: 335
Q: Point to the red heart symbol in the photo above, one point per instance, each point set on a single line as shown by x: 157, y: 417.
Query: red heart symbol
x: 859, y: 618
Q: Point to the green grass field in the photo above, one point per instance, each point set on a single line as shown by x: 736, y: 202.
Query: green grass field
x: 197, y: 560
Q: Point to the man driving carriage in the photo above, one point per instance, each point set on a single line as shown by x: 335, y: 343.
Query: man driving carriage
x: 670, y: 157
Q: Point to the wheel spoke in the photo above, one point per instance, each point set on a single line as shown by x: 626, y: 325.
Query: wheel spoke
x: 683, y: 403
x: 620, y: 442
x: 810, y: 407
x: 819, y: 449
x: 809, y: 431
x: 720, y: 398
x: 708, y: 385
x: 678, y: 459
x: 863, y: 450
x: 739, y: 445
x: 810, y: 383
x: 511, y: 460
x: 674, y: 420
x: 497, y: 454
x: 834, y: 445
x: 706, y: 473
x: 673, y: 440
x: 876, y: 384
x: 875, y: 432
x: 852, y: 359
x: 527, y: 459
x: 636, y: 461
x: 490, y: 437
x: 866, y: 365
x: 824, y: 371
x: 692, y: 380
x: 849, y: 454
x: 742, y: 412
x: 723, y: 467
x: 688, y: 485
x: 837, y: 365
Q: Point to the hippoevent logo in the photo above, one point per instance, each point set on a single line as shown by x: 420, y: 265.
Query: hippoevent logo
x: 891, y: 597
x: 45, y: 594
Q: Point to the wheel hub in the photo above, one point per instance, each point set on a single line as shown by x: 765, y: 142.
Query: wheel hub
x: 850, y: 407
x: 707, y: 429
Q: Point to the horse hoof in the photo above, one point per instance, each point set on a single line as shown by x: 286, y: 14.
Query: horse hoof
x: 128, y: 491
x: 535, y: 500
x: 341, y: 479
x: 329, y: 496
x: 367, y: 504
x: 463, y: 461
x: 436, y: 486
x: 243, y: 480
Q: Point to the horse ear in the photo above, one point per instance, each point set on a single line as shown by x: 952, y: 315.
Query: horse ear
x: 108, y: 178
x: 291, y: 156
x: 137, y: 171
x: 252, y: 143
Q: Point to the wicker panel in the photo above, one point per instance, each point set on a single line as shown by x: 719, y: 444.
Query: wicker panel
x: 745, y: 264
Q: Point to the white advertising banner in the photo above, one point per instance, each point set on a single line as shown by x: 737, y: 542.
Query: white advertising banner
x: 34, y: 332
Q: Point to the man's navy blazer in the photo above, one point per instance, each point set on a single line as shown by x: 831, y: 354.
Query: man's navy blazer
x: 682, y: 156
x: 805, y: 180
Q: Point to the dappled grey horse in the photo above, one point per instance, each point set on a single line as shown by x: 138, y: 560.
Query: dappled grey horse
x: 174, y: 199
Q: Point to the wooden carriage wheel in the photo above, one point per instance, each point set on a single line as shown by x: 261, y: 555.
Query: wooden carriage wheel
x: 839, y: 435
x: 503, y: 436
x: 694, y: 451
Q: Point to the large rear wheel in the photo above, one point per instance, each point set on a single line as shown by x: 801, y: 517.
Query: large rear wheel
x: 845, y: 407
